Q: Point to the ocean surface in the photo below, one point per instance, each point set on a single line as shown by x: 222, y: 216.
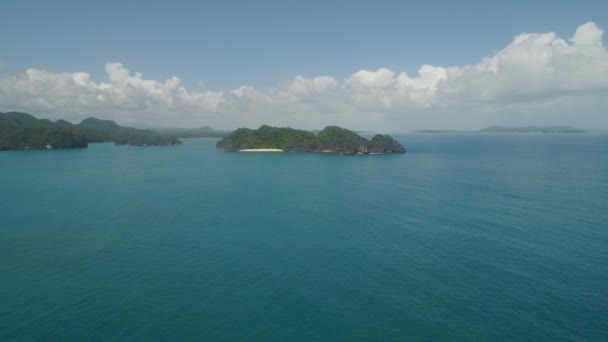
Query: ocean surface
x: 465, y: 237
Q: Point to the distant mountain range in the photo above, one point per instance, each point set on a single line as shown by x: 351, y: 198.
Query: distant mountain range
x: 502, y: 129
x: 22, y: 131
x: 200, y: 132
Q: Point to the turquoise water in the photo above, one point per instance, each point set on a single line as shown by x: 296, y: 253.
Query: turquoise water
x: 466, y: 237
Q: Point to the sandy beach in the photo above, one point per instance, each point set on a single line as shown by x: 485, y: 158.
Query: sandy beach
x: 262, y: 150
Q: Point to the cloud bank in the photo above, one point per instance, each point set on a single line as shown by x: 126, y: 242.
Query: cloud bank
x: 539, y: 78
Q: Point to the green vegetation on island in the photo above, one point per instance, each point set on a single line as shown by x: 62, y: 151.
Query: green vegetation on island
x: 98, y: 130
x: 332, y: 139
x: 21, y: 131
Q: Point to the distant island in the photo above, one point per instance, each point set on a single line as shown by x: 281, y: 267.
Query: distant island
x: 186, y: 133
x: 331, y: 139
x: 502, y: 129
x: 22, y: 131
x: 531, y: 129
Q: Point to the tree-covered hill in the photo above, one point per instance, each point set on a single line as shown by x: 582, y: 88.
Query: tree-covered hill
x: 332, y: 139
x: 20, y: 131
x: 98, y: 130
x: 13, y: 138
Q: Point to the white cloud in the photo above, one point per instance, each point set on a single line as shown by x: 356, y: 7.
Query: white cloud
x: 537, y: 78
x: 534, y: 67
x: 3, y: 64
x: 379, y: 79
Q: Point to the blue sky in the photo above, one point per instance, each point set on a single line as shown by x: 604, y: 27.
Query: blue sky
x: 259, y: 43
x: 395, y: 65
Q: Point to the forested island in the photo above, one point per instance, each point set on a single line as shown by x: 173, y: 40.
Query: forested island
x: 22, y: 131
x: 331, y: 139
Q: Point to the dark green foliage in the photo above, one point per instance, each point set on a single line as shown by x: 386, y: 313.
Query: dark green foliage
x: 103, y: 125
x: 60, y: 138
x: 150, y: 140
x: 384, y: 144
x: 62, y: 124
x: 332, y: 139
x: 21, y: 131
x: 14, y: 138
x: 341, y: 140
x: 267, y: 137
x: 97, y: 130
x: 24, y: 120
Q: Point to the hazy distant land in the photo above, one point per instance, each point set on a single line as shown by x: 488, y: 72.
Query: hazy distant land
x: 502, y: 129
x: 199, y: 132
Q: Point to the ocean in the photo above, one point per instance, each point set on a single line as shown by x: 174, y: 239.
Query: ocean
x: 466, y: 237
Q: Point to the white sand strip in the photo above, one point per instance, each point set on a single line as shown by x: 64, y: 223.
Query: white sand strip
x: 262, y: 150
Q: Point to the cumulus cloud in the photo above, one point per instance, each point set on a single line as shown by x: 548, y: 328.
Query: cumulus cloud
x: 537, y: 78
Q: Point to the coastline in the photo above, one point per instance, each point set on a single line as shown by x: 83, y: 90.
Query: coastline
x: 261, y: 150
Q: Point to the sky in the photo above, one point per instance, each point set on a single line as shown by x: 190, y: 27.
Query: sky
x: 391, y: 66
